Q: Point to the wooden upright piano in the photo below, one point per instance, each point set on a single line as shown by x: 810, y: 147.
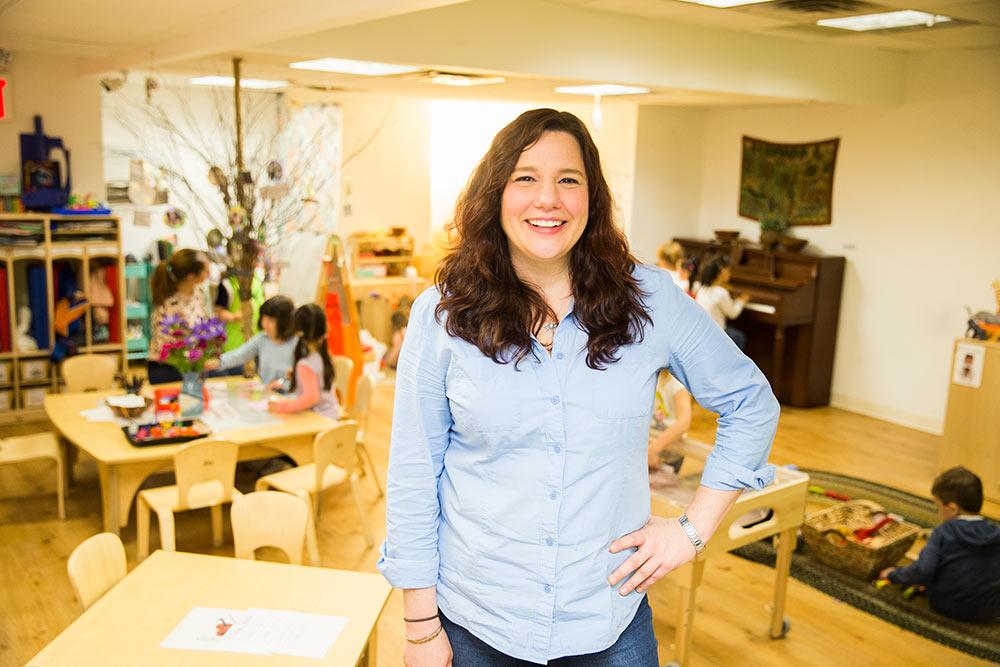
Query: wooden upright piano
x: 791, y: 318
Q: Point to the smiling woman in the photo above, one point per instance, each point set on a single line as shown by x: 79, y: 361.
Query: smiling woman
x: 518, y: 496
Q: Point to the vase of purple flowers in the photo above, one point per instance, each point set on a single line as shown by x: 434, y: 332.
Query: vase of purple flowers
x: 188, y: 347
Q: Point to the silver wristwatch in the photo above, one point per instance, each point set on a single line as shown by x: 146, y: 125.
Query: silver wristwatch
x: 692, y: 534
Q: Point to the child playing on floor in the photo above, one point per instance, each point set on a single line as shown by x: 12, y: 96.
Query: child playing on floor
x: 960, y: 563
x: 671, y: 420
x: 313, y: 378
x: 273, y: 348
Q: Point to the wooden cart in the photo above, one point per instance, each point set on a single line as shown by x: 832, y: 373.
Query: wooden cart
x: 786, y: 497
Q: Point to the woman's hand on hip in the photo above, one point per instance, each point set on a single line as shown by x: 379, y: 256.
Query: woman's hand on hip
x: 662, y: 546
x: 435, y: 653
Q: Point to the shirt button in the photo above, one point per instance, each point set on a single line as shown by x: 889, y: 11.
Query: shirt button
x: 548, y: 589
x: 555, y: 401
x: 552, y: 495
x: 560, y: 355
x: 557, y: 449
x: 549, y: 541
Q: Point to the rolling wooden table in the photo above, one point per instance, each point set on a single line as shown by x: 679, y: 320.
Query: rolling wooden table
x: 123, y: 467
x: 127, y: 625
x: 786, y: 497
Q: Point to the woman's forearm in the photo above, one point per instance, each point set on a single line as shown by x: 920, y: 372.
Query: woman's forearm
x: 419, y: 603
x: 707, y: 509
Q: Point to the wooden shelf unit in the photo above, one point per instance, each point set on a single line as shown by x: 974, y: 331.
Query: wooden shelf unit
x: 54, y: 244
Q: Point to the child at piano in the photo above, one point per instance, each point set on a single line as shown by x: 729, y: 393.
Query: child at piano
x: 715, y: 298
x: 670, y: 257
x: 313, y: 378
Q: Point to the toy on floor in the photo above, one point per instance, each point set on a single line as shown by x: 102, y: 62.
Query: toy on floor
x: 908, y: 593
x: 829, y: 493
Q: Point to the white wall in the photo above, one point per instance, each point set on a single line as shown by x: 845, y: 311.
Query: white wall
x: 70, y: 108
x: 668, y: 156
x: 915, y: 213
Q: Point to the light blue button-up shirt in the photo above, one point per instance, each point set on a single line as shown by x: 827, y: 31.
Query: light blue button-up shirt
x: 507, y: 484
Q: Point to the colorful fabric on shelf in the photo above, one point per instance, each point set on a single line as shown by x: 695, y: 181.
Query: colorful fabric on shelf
x: 39, y: 304
x: 111, y: 275
x: 4, y: 312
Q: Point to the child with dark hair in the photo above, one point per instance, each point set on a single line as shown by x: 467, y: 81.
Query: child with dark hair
x: 714, y: 297
x: 175, y: 288
x: 960, y: 565
x: 273, y: 347
x: 313, y: 378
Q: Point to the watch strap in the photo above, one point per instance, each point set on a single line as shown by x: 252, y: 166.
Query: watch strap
x: 692, y: 533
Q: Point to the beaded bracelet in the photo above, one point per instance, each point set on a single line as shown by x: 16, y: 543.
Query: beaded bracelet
x: 424, y: 640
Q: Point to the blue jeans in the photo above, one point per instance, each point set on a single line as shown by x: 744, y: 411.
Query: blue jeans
x: 636, y: 647
x: 738, y: 336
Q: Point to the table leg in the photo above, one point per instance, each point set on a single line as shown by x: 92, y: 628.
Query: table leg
x: 782, y: 567
x: 685, y: 615
x: 108, y: 474
x: 778, y: 361
x: 373, y: 648
x: 70, y: 456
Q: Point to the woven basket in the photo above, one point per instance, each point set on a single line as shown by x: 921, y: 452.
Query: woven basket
x: 823, y: 534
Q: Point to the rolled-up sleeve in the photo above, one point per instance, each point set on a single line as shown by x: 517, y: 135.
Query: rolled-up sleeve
x: 724, y: 380
x: 420, y: 430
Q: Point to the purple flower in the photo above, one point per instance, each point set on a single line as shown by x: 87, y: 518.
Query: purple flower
x: 194, y: 355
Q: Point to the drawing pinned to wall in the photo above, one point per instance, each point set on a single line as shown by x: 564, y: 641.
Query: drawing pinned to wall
x: 792, y: 182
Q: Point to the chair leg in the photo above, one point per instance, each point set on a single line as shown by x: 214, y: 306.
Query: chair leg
x: 141, y: 529
x: 216, y: 525
x: 312, y: 540
x: 361, y: 513
x: 167, y: 540
x: 363, y: 451
x: 261, y: 485
x: 61, y: 485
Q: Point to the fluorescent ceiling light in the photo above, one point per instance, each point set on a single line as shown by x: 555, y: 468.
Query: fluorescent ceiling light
x: 345, y: 66
x: 725, y: 3
x: 901, y: 19
x: 602, y: 89
x: 229, y: 82
x: 464, y: 80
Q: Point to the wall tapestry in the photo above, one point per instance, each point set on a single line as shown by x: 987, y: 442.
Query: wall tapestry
x: 789, y: 182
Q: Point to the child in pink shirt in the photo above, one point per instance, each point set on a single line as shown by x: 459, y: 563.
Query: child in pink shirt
x: 312, y: 382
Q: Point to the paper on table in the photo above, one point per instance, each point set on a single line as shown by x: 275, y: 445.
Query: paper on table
x: 200, y: 630
x: 299, y: 633
x: 224, y: 416
x: 257, y: 631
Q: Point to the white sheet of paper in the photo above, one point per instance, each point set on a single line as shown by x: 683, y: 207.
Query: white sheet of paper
x: 257, y: 631
x: 199, y: 631
x: 300, y: 634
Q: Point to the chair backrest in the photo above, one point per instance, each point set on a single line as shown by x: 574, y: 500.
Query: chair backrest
x: 335, y: 446
x: 89, y: 372
x: 97, y: 564
x: 362, y: 403
x: 269, y: 519
x: 207, y: 466
x: 342, y: 369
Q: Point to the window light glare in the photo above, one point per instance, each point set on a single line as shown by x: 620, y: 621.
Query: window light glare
x: 465, y: 81
x: 345, y: 66
x: 229, y: 82
x: 901, y: 19
x: 602, y: 89
x: 725, y: 3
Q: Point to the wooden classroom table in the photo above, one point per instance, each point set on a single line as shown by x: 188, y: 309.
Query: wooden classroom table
x: 786, y: 497
x: 123, y: 467
x: 128, y: 623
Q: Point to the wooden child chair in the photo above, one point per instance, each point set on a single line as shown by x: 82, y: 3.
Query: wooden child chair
x: 335, y: 462
x: 342, y: 369
x: 89, y: 372
x: 38, y: 446
x: 205, y: 471
x: 359, y: 413
x: 97, y: 564
x: 273, y: 519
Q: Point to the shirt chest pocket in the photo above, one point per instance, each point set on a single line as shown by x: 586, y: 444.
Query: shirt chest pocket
x: 483, y: 395
x: 623, y: 390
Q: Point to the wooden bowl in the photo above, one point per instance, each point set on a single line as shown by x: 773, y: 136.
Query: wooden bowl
x: 792, y: 244
x: 130, y: 413
x: 726, y: 234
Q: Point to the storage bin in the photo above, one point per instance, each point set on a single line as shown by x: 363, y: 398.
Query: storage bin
x: 33, y: 398
x: 6, y: 400
x: 825, y: 539
x: 34, y: 369
x: 5, y: 374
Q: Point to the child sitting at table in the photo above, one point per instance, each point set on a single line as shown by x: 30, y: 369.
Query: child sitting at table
x: 313, y: 378
x: 671, y: 420
x: 273, y: 347
x: 960, y: 563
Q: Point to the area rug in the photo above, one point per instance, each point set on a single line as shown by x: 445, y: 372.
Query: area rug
x: 915, y: 615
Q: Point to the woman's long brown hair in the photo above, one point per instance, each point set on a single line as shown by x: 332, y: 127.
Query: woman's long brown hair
x: 484, y: 301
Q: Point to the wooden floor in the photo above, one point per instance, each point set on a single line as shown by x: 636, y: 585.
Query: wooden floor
x: 36, y: 600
